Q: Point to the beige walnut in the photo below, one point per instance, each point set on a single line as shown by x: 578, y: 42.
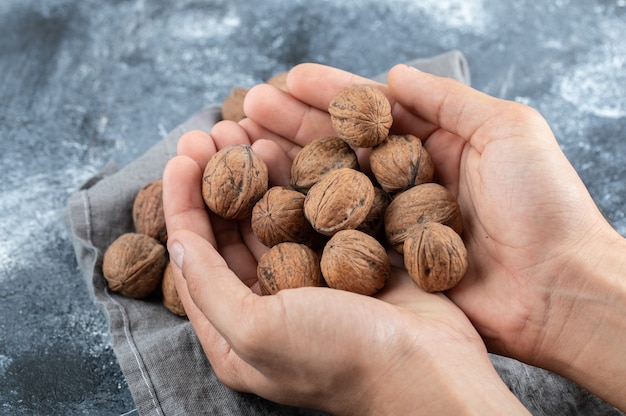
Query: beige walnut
x: 232, y: 106
x: 288, y: 266
x: 340, y: 200
x: 234, y: 179
x: 133, y: 265
x: 319, y: 157
x: 361, y: 115
x: 419, y: 204
x: 171, y: 300
x: 278, y: 217
x: 148, y: 216
x: 435, y: 256
x: 356, y: 262
x: 400, y: 162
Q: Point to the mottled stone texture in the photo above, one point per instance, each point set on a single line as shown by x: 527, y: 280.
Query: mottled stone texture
x: 86, y: 81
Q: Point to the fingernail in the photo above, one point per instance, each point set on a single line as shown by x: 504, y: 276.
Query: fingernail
x: 177, y: 252
x: 413, y: 68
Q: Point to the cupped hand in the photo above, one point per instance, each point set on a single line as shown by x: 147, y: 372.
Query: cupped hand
x: 313, y: 347
x: 527, y: 215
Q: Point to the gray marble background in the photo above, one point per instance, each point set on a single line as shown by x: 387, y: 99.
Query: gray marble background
x: 84, y: 82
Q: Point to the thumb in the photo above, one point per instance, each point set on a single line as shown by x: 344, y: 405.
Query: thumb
x: 459, y: 109
x: 212, y: 285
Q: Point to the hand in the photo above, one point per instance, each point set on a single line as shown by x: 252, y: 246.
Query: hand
x: 404, y: 352
x: 545, y: 267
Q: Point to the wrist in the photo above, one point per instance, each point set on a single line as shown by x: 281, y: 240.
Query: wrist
x: 461, y: 382
x: 585, y: 332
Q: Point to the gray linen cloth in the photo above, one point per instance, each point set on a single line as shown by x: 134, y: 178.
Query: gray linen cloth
x: 158, y: 352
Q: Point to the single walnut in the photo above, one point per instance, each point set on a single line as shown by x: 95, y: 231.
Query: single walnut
x: 356, y: 262
x: 401, y: 162
x: 318, y: 158
x: 148, y: 216
x: 419, y: 204
x: 279, y: 80
x: 133, y: 265
x: 361, y: 115
x: 435, y: 256
x: 288, y: 266
x: 374, y: 221
x: 278, y: 217
x: 340, y: 200
x: 232, y: 106
x: 171, y: 300
x: 234, y: 179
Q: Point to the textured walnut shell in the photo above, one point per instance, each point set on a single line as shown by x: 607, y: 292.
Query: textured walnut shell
x: 278, y: 217
x: 288, y: 266
x: 419, y: 204
x: 232, y: 106
x: 356, y: 262
x: 341, y: 200
x: 147, y: 212
x: 234, y: 179
x: 361, y: 115
x: 374, y: 221
x: 171, y: 300
x: 133, y: 265
x: 279, y: 80
x: 435, y: 256
x: 318, y: 158
x: 400, y: 162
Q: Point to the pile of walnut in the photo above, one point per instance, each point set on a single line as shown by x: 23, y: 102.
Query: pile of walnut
x: 331, y: 227
x: 334, y: 209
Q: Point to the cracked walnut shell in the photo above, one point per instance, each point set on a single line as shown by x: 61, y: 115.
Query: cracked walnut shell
x: 356, y: 262
x: 435, y: 256
x: 361, y: 115
x: 340, y: 200
x: 288, y: 266
x: 133, y: 265
x: 234, y: 179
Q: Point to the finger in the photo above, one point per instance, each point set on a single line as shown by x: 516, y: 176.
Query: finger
x: 316, y: 85
x: 286, y: 116
x: 197, y: 145
x: 183, y: 204
x: 233, y: 249
x: 227, y: 133
x: 278, y: 162
x: 459, y: 109
x: 257, y: 132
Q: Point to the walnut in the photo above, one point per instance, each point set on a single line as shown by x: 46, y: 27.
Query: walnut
x: 419, y: 204
x: 356, y: 262
x: 401, y: 162
x: 171, y: 300
x: 361, y: 115
x: 340, y: 200
x: 278, y: 217
x: 232, y: 106
x: 234, y: 179
x: 318, y: 158
x: 374, y: 221
x: 147, y: 212
x: 279, y: 81
x: 133, y: 265
x: 435, y: 256
x: 288, y: 266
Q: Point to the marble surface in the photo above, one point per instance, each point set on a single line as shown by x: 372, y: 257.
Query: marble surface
x: 85, y: 82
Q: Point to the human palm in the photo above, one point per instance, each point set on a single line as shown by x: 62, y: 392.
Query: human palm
x: 523, y: 204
